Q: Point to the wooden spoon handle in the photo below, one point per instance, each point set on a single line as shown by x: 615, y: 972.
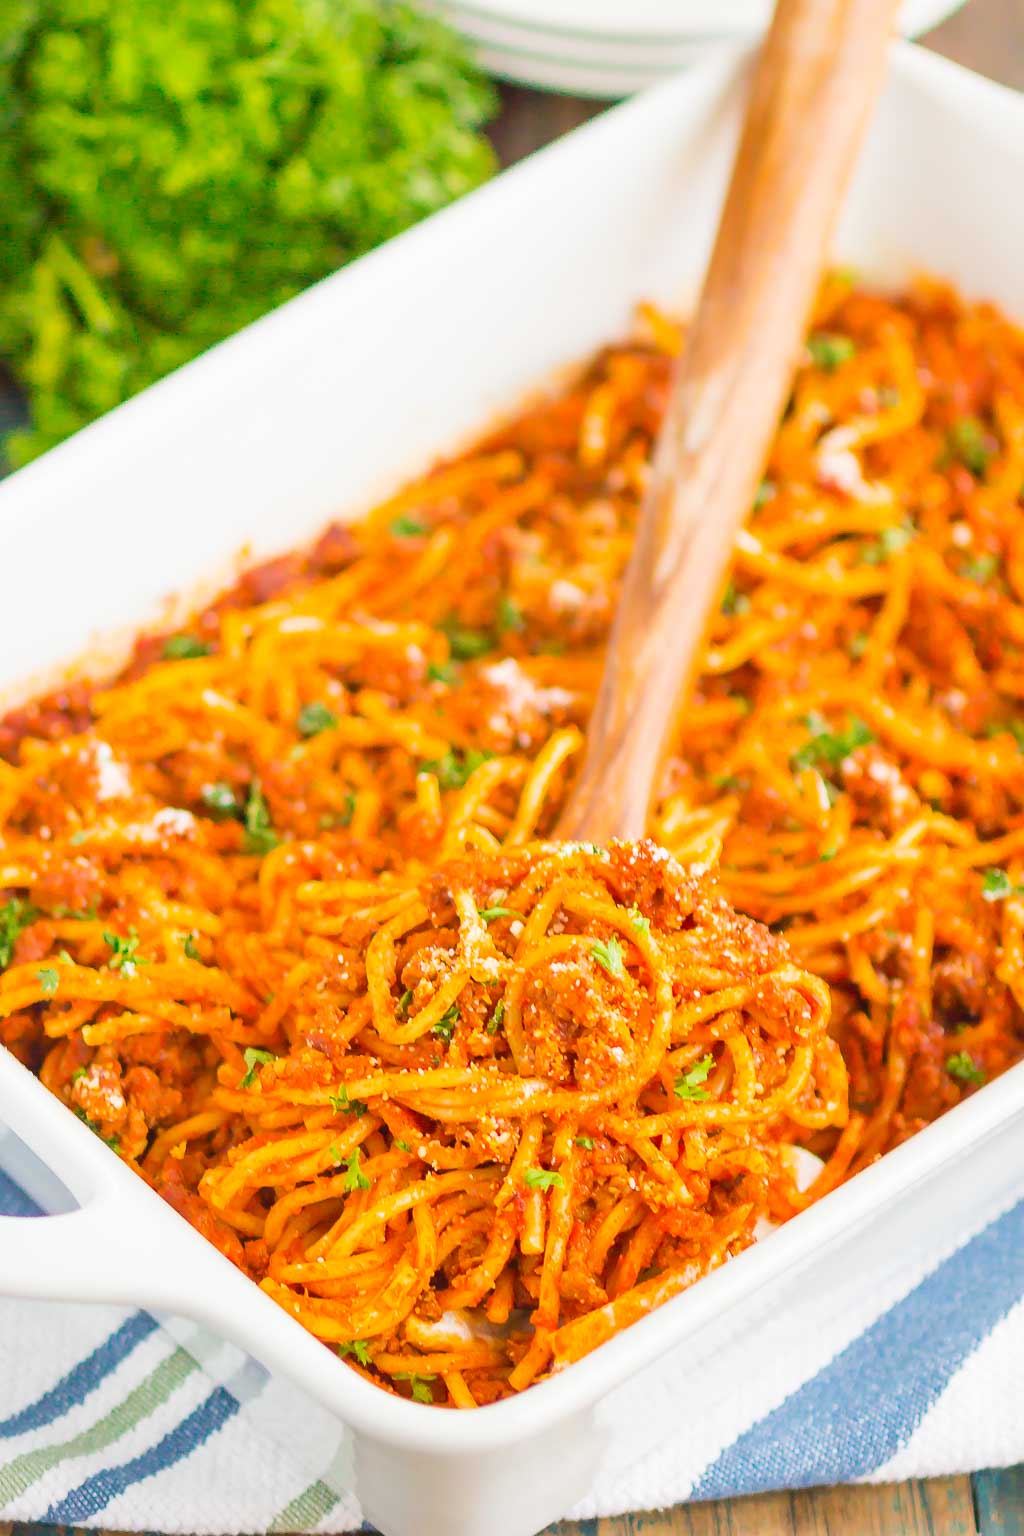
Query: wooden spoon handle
x: 814, y: 85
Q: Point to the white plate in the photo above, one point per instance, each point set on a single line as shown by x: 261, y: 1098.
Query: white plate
x: 606, y: 49
x: 315, y: 412
x: 667, y: 18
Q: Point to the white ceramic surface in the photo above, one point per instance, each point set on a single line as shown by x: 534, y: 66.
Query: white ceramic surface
x: 305, y: 416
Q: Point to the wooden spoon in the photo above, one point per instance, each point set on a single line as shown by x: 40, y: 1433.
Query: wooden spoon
x: 814, y: 85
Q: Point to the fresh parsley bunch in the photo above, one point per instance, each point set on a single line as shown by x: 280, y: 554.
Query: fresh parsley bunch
x: 172, y: 169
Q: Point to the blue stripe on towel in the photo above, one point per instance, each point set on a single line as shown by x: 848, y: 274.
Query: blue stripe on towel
x: 82, y: 1379
x: 97, y: 1491
x: 861, y: 1408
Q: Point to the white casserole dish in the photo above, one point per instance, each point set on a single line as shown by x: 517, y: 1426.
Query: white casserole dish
x: 318, y: 410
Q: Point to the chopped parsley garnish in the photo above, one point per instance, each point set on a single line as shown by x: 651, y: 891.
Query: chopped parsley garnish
x: 219, y: 800
x: 113, y: 1142
x: 510, y: 615
x: 608, y: 954
x: 497, y: 1018
x: 586, y: 1142
x: 889, y: 542
x: 15, y: 916
x: 829, y: 351
x: 979, y: 568
x: 734, y: 603
x: 191, y: 949
x: 445, y: 1026
x: 543, y: 1178
x: 185, y: 648
x: 125, y: 956
x: 465, y: 644
x: 406, y: 527
x: 637, y: 920
x: 355, y: 1178
x: 342, y: 818
x: 85, y: 915
x: 828, y: 746
x: 48, y: 980
x: 443, y: 672
x: 455, y: 767
x: 254, y: 1059
x: 966, y: 442
x: 359, y: 1349
x: 403, y: 1146
x: 491, y: 914
x: 260, y: 837
x: 1014, y: 728
x: 687, y: 1084
x: 346, y: 1106
x: 418, y: 1385
x: 764, y: 494
x: 314, y: 718
x: 964, y: 1068
x: 996, y: 885
x: 402, y: 1010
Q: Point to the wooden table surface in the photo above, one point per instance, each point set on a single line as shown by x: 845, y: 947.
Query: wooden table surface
x: 988, y: 35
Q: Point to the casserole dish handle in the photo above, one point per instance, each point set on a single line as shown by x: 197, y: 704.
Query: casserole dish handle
x: 113, y: 1247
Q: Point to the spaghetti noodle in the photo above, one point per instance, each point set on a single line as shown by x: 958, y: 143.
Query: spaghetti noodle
x: 278, y: 918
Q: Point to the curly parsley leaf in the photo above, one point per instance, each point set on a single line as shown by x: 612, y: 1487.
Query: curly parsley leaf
x: 687, y: 1084
x: 826, y: 746
x: 358, y: 1349
x: 828, y: 351
x: 996, y: 885
x: 15, y: 916
x: 445, y: 1026
x: 465, y: 644
x: 967, y: 442
x: 355, y: 1178
x: 964, y: 1068
x: 418, y: 1384
x: 406, y: 527
x: 979, y: 568
x: 454, y: 768
x: 219, y: 799
x: 889, y: 542
x: 734, y: 603
x: 314, y: 718
x: 113, y: 1142
x: 125, y: 955
x: 260, y: 837
x: 185, y: 648
x: 510, y: 615
x: 491, y: 914
x: 543, y: 1178
x: 49, y: 980
x: 608, y: 954
x: 254, y: 1059
x: 346, y: 1106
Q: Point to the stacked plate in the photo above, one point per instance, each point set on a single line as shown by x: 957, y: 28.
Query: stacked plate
x: 615, y: 47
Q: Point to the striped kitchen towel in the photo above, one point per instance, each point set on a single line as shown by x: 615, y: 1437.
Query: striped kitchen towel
x: 112, y: 1419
